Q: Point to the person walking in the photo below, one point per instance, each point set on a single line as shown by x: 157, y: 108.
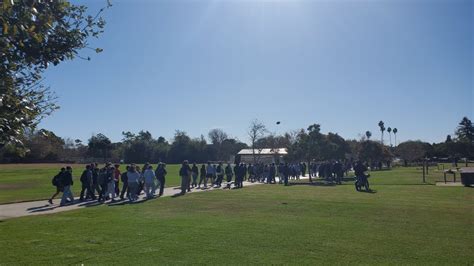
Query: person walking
x: 102, y: 183
x: 149, y: 176
x: 160, y: 176
x: 272, y: 173
x: 228, y: 174
x: 57, y: 182
x: 202, y: 176
x: 86, y: 181
x: 124, y: 179
x: 95, y: 178
x: 219, y: 174
x: 286, y: 172
x: 133, y: 178
x: 111, y: 183
x: 209, y: 173
x: 185, y: 173
x: 67, y: 182
x: 117, y: 175
x: 195, y: 171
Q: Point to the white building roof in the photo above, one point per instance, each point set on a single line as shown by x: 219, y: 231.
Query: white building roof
x: 263, y: 151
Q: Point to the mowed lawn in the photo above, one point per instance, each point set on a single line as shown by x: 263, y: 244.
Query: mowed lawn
x: 22, y: 182
x: 402, y: 222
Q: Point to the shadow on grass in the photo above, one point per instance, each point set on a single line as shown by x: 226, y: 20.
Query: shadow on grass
x: 50, y: 208
x: 127, y: 202
x: 316, y: 183
x: 425, y: 184
x: 39, y: 207
x: 178, y: 195
x: 370, y: 191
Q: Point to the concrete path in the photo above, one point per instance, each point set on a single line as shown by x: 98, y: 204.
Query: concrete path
x: 14, y: 210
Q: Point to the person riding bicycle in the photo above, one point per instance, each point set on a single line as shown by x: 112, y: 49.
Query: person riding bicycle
x: 359, y: 170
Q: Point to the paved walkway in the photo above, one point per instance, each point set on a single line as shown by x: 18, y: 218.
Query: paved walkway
x: 14, y: 210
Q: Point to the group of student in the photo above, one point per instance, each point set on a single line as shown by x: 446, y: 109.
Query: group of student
x: 103, y: 184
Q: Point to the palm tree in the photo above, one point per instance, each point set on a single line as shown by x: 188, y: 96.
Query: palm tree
x: 395, y: 130
x: 368, y: 134
x: 389, y: 130
x: 382, y: 129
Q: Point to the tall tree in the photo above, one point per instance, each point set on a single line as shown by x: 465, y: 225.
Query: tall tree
x: 389, y: 130
x: 411, y: 151
x: 35, y: 34
x: 99, y: 146
x: 217, y: 137
x: 465, y: 136
x: 368, y: 134
x: 382, y: 129
x: 465, y: 131
x: 395, y: 130
x: 256, y: 131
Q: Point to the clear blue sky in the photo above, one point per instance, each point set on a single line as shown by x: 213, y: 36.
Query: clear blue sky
x: 198, y: 65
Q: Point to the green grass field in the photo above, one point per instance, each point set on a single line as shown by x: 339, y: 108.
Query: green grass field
x: 402, y: 222
x: 21, y: 182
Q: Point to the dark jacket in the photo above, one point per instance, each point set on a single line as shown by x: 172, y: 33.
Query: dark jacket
x: 195, y: 170
x: 160, y: 172
x: 185, y: 170
x: 228, y: 171
x: 67, y: 179
x: 359, y: 169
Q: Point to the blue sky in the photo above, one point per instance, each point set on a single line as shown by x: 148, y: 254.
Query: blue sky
x: 198, y: 65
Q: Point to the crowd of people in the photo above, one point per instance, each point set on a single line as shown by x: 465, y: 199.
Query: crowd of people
x: 103, y: 184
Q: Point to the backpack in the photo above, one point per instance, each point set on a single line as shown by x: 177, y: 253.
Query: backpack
x: 55, y: 181
x: 84, y: 176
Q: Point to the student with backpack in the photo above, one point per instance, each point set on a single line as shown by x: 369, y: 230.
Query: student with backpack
x: 56, y: 181
x: 67, y: 182
x: 219, y: 174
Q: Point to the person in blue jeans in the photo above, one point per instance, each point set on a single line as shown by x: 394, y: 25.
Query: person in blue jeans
x: 67, y: 182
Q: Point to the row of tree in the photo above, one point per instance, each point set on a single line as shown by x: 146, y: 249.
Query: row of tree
x: 303, y: 145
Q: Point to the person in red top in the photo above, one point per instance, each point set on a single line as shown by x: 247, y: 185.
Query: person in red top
x: 117, y: 179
